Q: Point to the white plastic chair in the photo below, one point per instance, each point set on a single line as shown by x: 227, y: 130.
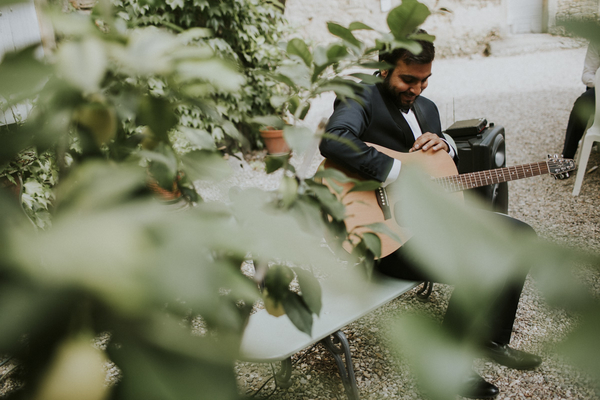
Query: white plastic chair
x: 592, y: 134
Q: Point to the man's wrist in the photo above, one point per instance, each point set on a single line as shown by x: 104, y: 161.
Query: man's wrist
x: 393, y: 174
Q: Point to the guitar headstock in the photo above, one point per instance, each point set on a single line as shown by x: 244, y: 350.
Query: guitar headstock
x: 560, y: 167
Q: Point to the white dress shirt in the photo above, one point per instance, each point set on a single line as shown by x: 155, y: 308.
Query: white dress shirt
x: 411, y: 119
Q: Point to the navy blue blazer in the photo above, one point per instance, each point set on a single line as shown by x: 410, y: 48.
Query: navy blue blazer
x: 377, y: 120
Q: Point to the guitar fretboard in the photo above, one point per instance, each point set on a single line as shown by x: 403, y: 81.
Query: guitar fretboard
x: 472, y: 180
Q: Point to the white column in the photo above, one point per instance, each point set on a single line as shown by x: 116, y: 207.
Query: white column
x: 19, y: 28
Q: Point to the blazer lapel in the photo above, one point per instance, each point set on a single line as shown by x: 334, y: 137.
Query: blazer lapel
x: 420, y: 117
x: 394, y: 110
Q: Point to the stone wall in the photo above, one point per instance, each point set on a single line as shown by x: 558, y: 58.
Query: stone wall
x: 467, y: 29
x: 576, y: 9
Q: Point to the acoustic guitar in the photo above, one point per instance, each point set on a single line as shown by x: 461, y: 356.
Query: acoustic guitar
x: 376, y: 206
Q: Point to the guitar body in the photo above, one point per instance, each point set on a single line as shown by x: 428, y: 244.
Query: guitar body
x: 362, y: 207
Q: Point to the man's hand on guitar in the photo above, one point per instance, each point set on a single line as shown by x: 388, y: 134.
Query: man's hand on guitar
x: 429, y: 141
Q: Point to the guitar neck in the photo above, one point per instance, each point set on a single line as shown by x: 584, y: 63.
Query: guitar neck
x: 472, y: 180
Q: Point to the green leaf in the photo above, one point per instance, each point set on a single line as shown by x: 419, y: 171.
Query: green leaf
x: 218, y: 72
x: 268, y: 121
x: 95, y: 185
x: 158, y: 115
x: 308, y: 211
x: 440, y: 363
x: 299, y: 48
x: 320, y: 55
x: 82, y: 63
x: 298, y: 74
x: 101, y: 252
x: 363, y: 186
x: 11, y: 2
x: 311, y: 290
x: 334, y: 174
x: 194, y: 34
x: 29, y: 310
x: 71, y: 24
x: 581, y: 343
x: 22, y: 75
x: 344, y: 34
x: 422, y: 36
x: 586, y: 29
x: 356, y: 25
x: 383, y: 228
x: 277, y: 100
x: 153, y: 372
x: 288, y: 189
x: 205, y: 165
x: 99, y: 119
x: 304, y: 111
x: 328, y: 200
x: 293, y: 104
x: 411, y: 45
x: 336, y: 52
x: 277, y: 281
x: 342, y: 90
x: 273, y: 163
x: 198, y: 137
x: 298, y: 312
x: 376, y: 65
x: 298, y: 137
x: 175, y: 4
x: 372, y: 243
x: 471, y: 245
x: 366, y: 78
x: 406, y: 18
x: 285, y: 79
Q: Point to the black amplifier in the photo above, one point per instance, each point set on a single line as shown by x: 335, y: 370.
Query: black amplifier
x: 482, y: 151
x: 467, y: 127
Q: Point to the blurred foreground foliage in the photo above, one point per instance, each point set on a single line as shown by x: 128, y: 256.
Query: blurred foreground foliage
x: 481, y: 252
x: 116, y: 259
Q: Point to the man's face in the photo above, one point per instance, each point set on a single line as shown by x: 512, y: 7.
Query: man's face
x: 407, y: 81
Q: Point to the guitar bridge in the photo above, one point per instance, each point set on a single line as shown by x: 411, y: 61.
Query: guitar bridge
x: 382, y: 200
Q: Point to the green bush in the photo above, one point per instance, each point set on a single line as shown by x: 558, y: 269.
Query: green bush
x: 245, y: 31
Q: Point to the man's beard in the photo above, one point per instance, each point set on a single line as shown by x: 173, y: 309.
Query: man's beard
x: 397, y: 97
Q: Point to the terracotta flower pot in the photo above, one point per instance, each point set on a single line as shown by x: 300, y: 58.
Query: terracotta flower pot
x: 15, y: 189
x: 274, y: 141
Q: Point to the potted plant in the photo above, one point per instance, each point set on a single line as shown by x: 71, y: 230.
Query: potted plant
x: 306, y: 73
x: 274, y: 141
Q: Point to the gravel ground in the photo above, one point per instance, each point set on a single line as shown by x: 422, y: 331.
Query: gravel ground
x: 531, y: 95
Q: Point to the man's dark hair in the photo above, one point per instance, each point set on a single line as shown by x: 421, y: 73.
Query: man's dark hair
x: 424, y: 57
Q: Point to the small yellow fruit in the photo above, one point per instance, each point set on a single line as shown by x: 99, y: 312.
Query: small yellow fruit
x: 273, y: 307
x: 76, y: 373
x: 100, y: 120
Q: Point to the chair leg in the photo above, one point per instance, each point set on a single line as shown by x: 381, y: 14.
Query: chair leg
x: 582, y: 165
x: 337, y: 344
x: 424, y: 292
x: 283, y: 376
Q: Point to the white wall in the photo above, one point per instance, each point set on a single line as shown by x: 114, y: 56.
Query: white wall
x: 19, y: 28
